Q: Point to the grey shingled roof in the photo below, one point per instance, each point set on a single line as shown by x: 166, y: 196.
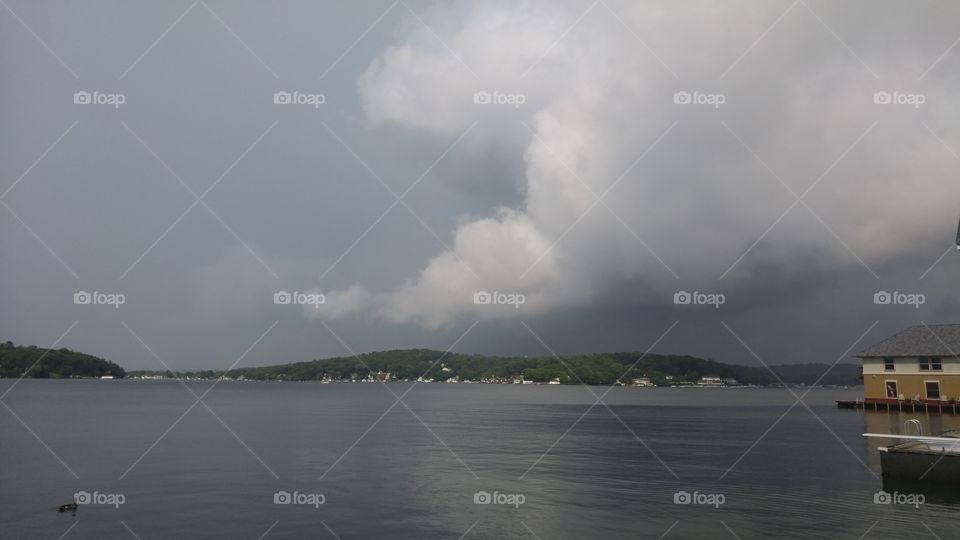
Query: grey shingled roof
x: 918, y: 341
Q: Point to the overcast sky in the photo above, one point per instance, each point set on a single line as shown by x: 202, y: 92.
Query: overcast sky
x: 796, y: 158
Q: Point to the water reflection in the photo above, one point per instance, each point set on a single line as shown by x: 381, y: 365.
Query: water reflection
x: 893, y: 422
x: 942, y: 494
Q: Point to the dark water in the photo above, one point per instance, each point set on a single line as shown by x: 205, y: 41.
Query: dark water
x: 811, y: 475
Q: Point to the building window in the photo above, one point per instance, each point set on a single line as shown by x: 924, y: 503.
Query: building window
x: 892, y: 389
x: 936, y: 364
x: 933, y: 389
x: 888, y: 364
x: 924, y: 363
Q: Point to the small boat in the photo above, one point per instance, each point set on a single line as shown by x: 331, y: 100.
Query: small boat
x: 958, y: 236
x: 69, y: 507
x: 920, y: 458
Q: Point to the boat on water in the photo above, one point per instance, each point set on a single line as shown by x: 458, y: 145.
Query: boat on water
x: 69, y: 507
x: 958, y: 236
x: 921, y: 458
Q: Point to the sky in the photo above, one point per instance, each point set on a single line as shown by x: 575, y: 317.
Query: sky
x: 197, y: 185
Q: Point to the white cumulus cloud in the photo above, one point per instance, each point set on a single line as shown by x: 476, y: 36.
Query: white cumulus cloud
x: 684, y: 190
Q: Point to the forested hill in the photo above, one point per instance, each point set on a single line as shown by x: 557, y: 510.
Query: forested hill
x: 410, y: 364
x: 52, y: 363
x: 597, y: 368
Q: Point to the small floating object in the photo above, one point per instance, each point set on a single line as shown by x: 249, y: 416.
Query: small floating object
x: 71, y: 507
x: 958, y: 236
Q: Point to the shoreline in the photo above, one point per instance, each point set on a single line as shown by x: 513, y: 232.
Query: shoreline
x: 409, y: 382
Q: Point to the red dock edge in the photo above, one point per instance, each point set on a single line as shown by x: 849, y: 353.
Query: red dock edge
x: 926, y: 406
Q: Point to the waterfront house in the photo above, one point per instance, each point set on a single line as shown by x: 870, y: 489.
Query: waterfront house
x: 918, y: 364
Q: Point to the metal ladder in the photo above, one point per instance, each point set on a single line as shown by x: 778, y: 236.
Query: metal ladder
x: 913, y: 422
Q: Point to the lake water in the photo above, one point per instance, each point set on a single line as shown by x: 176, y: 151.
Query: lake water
x: 414, y: 473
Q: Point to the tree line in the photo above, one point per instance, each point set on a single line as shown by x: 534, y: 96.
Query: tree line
x: 596, y: 368
x: 38, y: 363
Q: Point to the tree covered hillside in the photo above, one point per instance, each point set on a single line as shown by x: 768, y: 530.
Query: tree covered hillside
x: 15, y: 360
x: 596, y: 368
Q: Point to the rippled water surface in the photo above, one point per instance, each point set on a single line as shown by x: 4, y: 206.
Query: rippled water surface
x: 412, y: 469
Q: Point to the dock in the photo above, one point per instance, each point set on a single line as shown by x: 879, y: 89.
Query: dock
x: 900, y: 405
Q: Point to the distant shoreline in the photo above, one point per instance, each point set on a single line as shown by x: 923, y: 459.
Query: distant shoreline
x: 434, y: 383
x: 634, y: 369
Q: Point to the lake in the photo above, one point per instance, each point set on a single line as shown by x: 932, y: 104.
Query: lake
x: 296, y: 460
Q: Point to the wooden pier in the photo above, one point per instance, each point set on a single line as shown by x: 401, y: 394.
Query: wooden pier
x: 900, y: 405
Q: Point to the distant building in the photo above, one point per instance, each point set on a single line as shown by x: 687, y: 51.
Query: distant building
x: 919, y: 363
x: 641, y: 381
x: 710, y: 381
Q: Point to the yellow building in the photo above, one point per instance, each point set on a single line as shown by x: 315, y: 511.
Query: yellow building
x: 918, y: 364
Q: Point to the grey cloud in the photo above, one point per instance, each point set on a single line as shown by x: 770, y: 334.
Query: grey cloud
x: 596, y: 99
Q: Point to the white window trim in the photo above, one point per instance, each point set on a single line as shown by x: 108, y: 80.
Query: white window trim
x: 896, y: 386
x: 939, y: 393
